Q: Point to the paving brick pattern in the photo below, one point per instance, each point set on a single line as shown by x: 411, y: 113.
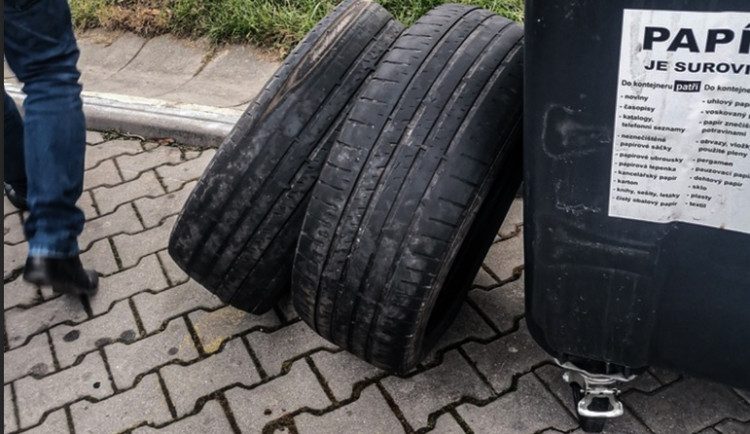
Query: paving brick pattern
x: 129, y: 360
x: 144, y: 403
x: 154, y: 352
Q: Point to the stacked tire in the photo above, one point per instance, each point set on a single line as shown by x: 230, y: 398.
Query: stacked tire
x: 392, y: 205
x: 237, y: 232
x: 399, y: 220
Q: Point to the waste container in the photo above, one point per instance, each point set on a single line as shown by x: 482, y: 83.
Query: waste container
x: 637, y: 189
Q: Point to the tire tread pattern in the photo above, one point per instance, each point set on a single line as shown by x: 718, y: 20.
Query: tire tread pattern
x: 237, y: 232
x: 428, y: 136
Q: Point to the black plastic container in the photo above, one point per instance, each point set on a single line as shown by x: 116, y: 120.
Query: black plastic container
x: 637, y: 215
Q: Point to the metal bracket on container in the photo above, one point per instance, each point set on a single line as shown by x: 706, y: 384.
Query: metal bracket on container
x: 596, y: 386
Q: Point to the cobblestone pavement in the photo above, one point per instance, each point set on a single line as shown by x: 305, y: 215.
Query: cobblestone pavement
x: 154, y: 352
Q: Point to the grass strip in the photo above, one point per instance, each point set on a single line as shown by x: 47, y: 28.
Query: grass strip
x: 274, y: 24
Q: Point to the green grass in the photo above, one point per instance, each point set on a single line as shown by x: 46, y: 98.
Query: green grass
x: 276, y: 24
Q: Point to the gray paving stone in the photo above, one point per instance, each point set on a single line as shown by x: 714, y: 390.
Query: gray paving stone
x: 510, y: 355
x: 502, y: 305
x: 154, y: 210
x: 124, y: 220
x: 687, y: 406
x: 94, y: 137
x: 734, y: 427
x: 446, y: 424
x: 242, y: 69
x: 368, y: 414
x: 19, y: 293
x: 429, y: 391
x: 32, y: 358
x: 186, y: 384
x: 625, y: 424
x: 13, y: 229
x: 133, y: 247
x: 103, y: 53
x: 513, y: 220
x: 343, y: 371
x: 127, y: 361
x: 14, y: 257
x: 191, y: 154
x: 104, y: 174
x: 55, y: 423
x: 298, y: 389
x: 709, y: 431
x: 213, y: 328
x: 143, y: 404
x: 173, y: 271
x: 100, y: 258
x: 484, y: 280
x: 174, y: 177
x: 86, y: 204
x: 97, y: 153
x: 273, y: 349
x: 9, y: 416
x: 132, y: 165
x: 109, y: 198
x: 211, y: 419
x: 528, y: 409
x: 154, y: 309
x: 21, y: 323
x: 147, y: 275
x: 467, y: 325
x: 149, y: 145
x: 36, y: 397
x: 72, y: 341
x: 505, y: 256
x: 162, y: 65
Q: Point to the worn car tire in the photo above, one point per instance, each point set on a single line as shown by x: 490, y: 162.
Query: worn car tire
x: 237, y: 232
x: 415, y: 188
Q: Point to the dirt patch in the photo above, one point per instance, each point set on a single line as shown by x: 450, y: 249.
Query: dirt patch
x: 146, y: 18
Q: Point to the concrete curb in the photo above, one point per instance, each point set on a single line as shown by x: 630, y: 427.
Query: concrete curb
x: 189, y: 124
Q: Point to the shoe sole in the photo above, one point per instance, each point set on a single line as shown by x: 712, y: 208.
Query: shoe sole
x: 62, y: 288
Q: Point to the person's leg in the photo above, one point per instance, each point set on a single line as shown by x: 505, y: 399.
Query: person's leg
x: 14, y: 178
x: 41, y: 49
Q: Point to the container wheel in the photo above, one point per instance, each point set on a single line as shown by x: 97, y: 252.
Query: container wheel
x: 589, y: 424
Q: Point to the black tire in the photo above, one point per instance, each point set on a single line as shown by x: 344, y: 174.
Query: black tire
x: 414, y: 189
x: 237, y: 232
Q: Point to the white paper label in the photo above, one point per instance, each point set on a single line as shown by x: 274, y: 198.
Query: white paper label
x: 682, y: 125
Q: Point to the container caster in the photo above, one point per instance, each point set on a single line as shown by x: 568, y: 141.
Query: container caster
x: 589, y: 424
x: 594, y: 396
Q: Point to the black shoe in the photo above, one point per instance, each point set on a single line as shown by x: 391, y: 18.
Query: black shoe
x: 17, y: 199
x: 65, y: 275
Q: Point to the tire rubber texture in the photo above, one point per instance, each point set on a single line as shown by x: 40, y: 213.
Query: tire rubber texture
x: 237, y: 232
x: 415, y: 188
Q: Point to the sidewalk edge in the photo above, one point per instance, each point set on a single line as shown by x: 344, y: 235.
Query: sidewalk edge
x: 188, y: 124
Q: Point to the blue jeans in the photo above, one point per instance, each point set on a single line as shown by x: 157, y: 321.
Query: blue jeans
x: 45, y: 150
